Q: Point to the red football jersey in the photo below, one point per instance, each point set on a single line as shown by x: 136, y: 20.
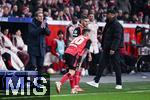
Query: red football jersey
x: 77, y: 46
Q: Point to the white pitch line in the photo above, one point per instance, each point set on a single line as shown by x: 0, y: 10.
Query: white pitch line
x: 22, y: 97
x: 65, y: 95
x: 138, y: 91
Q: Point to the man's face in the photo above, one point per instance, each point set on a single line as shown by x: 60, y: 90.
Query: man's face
x: 75, y: 21
x: 91, y: 17
x: 15, y: 8
x: 85, y: 22
x: 110, y: 16
x: 39, y: 2
x: 6, y: 31
x: 18, y: 33
x: 85, y: 12
x: 40, y: 17
x: 6, y: 10
x: 66, y: 10
x: 126, y: 15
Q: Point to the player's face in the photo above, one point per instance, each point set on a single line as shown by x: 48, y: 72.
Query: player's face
x: 40, y: 17
x: 85, y: 22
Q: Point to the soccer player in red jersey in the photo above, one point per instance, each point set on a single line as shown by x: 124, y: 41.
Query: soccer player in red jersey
x: 82, y: 25
x: 74, y: 54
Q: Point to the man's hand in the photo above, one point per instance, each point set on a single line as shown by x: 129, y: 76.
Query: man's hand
x: 112, y: 52
x: 43, y: 25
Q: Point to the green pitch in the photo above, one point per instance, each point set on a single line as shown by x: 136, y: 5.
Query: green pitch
x: 130, y: 91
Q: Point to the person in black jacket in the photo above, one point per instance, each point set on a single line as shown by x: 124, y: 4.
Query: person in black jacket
x: 38, y: 29
x: 112, y: 41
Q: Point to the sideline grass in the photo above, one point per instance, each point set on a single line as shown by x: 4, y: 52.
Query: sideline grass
x: 130, y: 91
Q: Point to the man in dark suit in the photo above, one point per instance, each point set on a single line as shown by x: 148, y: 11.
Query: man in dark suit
x: 38, y: 29
x: 112, y: 41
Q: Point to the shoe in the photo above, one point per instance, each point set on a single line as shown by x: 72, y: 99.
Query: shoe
x: 51, y: 71
x: 58, y: 87
x: 79, y: 89
x: 132, y: 72
x: 93, y: 83
x: 74, y: 91
x: 118, y: 87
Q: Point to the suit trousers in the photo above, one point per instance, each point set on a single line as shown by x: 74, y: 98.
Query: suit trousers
x: 105, y: 60
x: 37, y: 62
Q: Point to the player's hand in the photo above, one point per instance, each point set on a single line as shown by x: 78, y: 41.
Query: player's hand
x: 112, y: 52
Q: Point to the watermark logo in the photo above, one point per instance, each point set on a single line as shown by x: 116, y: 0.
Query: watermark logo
x: 25, y: 85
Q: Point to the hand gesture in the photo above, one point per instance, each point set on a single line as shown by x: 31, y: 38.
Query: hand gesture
x: 43, y: 25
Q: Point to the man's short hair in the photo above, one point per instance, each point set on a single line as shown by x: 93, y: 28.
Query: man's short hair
x: 91, y: 13
x: 38, y: 12
x: 85, y: 31
x: 84, y: 17
x: 112, y: 11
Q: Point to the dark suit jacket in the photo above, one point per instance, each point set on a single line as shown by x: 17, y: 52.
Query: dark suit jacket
x: 36, y: 38
x: 112, y: 36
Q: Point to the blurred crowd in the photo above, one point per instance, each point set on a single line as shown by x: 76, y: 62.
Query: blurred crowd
x: 82, y: 13
x: 129, y: 11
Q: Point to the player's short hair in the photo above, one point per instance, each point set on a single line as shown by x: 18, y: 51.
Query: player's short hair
x: 85, y: 31
x: 83, y: 18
